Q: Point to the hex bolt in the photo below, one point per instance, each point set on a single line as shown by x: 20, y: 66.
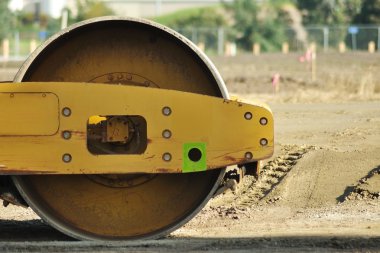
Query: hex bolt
x: 66, y: 111
x: 248, y: 155
x: 166, y: 111
x: 166, y: 157
x: 263, y: 142
x: 263, y: 121
x: 66, y: 158
x: 166, y: 134
x: 66, y: 135
x: 248, y: 116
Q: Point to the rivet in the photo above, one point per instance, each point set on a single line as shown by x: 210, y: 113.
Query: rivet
x: 43, y: 95
x: 66, y: 135
x: 66, y: 158
x: 248, y: 155
x: 263, y: 121
x: 248, y: 116
x: 66, y: 111
x: 166, y: 134
x: 166, y: 111
x: 166, y: 157
x: 12, y: 95
x: 263, y: 142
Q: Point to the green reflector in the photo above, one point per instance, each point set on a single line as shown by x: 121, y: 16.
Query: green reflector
x: 194, y: 157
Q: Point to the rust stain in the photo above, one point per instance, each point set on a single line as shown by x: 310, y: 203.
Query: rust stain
x: 230, y: 158
x: 24, y: 171
x: 78, y: 133
x: 163, y: 170
x: 149, y: 141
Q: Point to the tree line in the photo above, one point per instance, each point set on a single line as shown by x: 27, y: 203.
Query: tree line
x: 249, y: 20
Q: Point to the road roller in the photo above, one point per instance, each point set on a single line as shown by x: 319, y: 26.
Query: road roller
x: 121, y: 128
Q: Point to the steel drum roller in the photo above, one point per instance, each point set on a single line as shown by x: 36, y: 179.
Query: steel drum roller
x: 122, y: 51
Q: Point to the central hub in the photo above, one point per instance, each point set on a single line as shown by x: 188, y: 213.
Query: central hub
x: 121, y: 134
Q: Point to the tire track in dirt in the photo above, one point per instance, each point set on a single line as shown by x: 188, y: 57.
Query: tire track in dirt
x: 253, y: 190
x: 271, y: 175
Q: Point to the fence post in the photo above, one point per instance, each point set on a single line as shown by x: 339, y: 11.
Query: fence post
x: 220, y: 40
x: 371, y: 47
x: 256, y: 48
x: 342, y: 47
x: 378, y: 39
x: 325, y: 38
x: 6, y: 49
x: 353, y: 39
x: 194, y: 35
x: 285, y: 48
x: 17, y: 44
x: 201, y: 46
x: 33, y: 45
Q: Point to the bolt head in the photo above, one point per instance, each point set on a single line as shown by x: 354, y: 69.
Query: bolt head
x: 263, y: 142
x: 248, y: 116
x: 248, y: 155
x: 166, y: 157
x: 66, y: 111
x: 66, y: 158
x: 66, y: 135
x: 166, y: 111
x: 263, y: 121
x: 166, y: 134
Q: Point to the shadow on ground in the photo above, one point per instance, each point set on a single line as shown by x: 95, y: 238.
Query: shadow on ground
x: 36, y: 236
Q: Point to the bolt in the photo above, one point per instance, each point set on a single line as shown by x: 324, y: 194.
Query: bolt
x: 66, y: 111
x: 66, y: 158
x: 248, y: 116
x: 263, y: 121
x: 166, y: 111
x: 166, y: 134
x: 66, y: 135
x: 166, y: 157
x: 263, y: 142
x: 248, y: 155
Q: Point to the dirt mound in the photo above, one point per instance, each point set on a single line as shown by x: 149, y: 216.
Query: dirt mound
x: 368, y: 187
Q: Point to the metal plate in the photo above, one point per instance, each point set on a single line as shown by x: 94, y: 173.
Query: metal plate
x: 18, y: 119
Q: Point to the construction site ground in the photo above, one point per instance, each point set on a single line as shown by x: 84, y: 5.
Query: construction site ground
x: 319, y: 192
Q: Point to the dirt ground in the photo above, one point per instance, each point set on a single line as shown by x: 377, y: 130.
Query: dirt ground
x: 319, y: 192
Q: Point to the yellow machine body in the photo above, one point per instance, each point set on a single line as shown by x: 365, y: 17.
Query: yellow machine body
x: 44, y: 129
x: 120, y: 128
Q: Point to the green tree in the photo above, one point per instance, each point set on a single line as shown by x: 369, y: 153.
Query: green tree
x: 91, y: 9
x: 197, y: 17
x: 6, y: 19
x: 328, y: 12
x: 257, y: 23
x: 369, y: 12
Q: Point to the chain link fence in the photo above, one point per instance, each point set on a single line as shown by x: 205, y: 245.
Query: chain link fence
x: 218, y: 40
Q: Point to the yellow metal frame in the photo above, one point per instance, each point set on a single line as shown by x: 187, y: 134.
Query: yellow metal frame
x: 230, y: 132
